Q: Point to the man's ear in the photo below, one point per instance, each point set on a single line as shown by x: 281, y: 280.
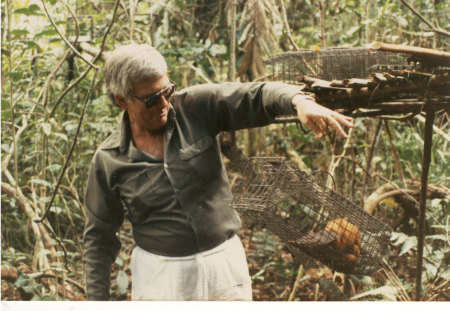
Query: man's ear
x: 121, y: 102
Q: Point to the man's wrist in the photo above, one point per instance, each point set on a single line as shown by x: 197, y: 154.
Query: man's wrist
x: 300, y: 98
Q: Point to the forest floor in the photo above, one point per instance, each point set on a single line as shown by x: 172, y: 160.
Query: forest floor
x: 272, y: 266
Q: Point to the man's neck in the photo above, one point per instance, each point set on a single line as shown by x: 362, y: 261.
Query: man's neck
x: 147, y: 141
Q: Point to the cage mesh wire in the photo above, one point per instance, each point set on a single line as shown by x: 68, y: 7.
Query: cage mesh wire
x: 331, y: 63
x: 312, y: 218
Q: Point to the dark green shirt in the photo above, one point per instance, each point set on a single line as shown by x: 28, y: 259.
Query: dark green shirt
x: 179, y: 206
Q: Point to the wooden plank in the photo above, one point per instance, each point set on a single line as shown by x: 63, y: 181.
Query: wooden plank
x: 434, y: 57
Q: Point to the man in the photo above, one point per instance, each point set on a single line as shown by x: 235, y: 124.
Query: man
x: 163, y: 164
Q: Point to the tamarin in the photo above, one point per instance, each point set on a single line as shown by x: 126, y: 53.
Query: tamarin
x: 349, y: 240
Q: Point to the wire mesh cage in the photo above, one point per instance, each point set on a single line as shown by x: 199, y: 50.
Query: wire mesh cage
x: 312, y: 218
x: 331, y: 63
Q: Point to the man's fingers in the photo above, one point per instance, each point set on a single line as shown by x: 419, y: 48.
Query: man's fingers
x: 313, y: 127
x: 344, y: 120
x: 338, y: 128
x: 318, y: 122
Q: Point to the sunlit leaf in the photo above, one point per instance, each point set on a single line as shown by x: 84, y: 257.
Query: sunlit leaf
x: 409, y: 244
x: 122, y: 282
x: 217, y: 49
x: 60, y: 135
x: 47, y: 128
x: 40, y: 182
x: 56, y: 209
x: 388, y: 292
x: 402, y: 21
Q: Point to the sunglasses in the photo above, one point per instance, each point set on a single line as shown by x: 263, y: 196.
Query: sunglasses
x: 154, y: 98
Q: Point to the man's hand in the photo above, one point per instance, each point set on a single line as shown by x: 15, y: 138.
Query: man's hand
x: 318, y: 118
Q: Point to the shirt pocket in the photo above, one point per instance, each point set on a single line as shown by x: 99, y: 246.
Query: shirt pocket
x: 144, y: 191
x: 204, y: 157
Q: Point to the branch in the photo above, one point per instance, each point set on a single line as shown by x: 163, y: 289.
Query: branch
x: 232, y: 65
x: 395, y: 153
x: 65, y: 39
x: 322, y: 22
x: 369, y: 160
x: 92, y: 50
x: 72, y: 147
x: 97, y: 57
x: 7, y: 157
x: 11, y: 92
x: 27, y: 207
x: 372, y: 204
x: 435, y: 128
x: 336, y: 160
x: 286, y: 26
x: 199, y: 72
x: 437, y: 30
x: 426, y: 160
x: 301, y: 272
x: 52, y: 74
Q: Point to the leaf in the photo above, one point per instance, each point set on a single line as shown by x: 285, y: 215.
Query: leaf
x: 19, y: 32
x: 437, y: 237
x: 40, y: 182
x: 16, y: 76
x: 5, y: 52
x: 402, y: 21
x: 122, y: 282
x: 352, y: 31
x: 398, y: 238
x: 54, y: 167
x: 418, y: 138
x: 56, y: 210
x: 388, y: 292
x: 217, y: 49
x: 20, y: 282
x: 46, y: 32
x: 33, y: 9
x: 5, y: 104
x: 409, y: 244
x: 60, y: 135
x: 47, y: 128
x: 426, y: 34
x: 119, y: 261
x: 31, y: 44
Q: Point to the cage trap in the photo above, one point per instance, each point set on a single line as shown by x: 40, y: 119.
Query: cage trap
x: 378, y: 80
x: 332, y: 63
x: 310, y: 217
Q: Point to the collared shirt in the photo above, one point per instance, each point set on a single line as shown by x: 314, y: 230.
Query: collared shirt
x: 178, y: 206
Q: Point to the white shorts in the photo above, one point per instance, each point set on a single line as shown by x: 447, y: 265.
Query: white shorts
x: 218, y: 274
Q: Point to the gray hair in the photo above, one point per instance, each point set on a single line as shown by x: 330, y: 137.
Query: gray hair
x: 130, y: 64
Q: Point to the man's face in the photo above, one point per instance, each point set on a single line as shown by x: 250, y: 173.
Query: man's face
x: 151, y: 119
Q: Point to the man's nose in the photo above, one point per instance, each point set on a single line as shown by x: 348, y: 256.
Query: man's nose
x: 163, y: 101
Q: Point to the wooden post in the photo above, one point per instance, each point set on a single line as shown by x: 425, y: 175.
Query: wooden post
x: 423, y: 197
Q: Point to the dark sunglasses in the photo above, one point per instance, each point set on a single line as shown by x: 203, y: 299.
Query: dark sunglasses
x: 154, y: 98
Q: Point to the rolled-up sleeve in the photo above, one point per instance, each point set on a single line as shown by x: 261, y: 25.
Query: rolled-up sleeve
x: 104, y: 217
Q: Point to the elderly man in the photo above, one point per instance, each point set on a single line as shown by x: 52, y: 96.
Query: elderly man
x: 163, y: 165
